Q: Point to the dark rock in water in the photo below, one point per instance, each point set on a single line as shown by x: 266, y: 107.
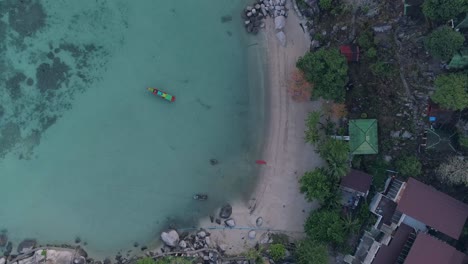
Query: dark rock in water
x: 8, y: 249
x: 226, y: 211
x: 218, y: 221
x: 13, y: 85
x: 226, y: 18
x: 79, y: 260
x: 30, y: 82
x: 26, y: 245
x: 3, y: 239
x: 136, y: 244
x: 259, y: 221
x: 77, y: 240
x: 51, y: 76
x: 97, y: 262
x: 80, y: 251
x: 107, y: 261
x: 85, y: 243
x: 143, y: 248
x: 26, y: 17
x: 213, y: 162
x: 211, y: 218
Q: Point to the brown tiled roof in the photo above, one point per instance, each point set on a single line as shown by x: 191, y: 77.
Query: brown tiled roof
x: 429, y: 250
x: 433, y: 208
x: 389, y: 254
x: 357, y: 180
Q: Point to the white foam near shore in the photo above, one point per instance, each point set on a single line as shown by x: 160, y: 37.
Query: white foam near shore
x: 276, y: 197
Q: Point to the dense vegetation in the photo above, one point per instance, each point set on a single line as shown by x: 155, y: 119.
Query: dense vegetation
x: 327, y: 70
x: 444, y: 9
x: 408, y: 166
x: 451, y: 91
x: 443, y: 42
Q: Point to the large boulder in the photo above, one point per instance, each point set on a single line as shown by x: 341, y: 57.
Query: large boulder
x: 230, y: 222
x: 226, y: 211
x: 170, y: 238
x: 280, y: 22
x: 26, y: 245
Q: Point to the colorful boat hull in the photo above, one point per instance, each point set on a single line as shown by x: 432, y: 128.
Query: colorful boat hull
x: 162, y: 94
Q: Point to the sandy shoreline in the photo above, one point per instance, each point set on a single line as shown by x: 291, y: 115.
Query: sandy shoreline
x: 276, y: 197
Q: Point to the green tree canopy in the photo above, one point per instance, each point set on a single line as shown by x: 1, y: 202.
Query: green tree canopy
x: 451, y: 91
x: 444, y: 9
x: 408, y: 166
x: 312, y: 134
x: 336, y: 154
x: 316, y: 184
x: 326, y: 226
x: 309, y: 251
x: 443, y: 42
x: 327, y: 70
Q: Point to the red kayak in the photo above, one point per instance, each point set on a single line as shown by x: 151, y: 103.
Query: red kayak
x: 261, y: 162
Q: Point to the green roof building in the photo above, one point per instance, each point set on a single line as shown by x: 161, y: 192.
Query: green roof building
x: 363, y: 137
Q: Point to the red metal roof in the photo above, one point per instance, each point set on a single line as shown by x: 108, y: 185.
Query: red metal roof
x: 357, y: 180
x: 433, y: 208
x: 429, y: 250
x: 351, y: 52
x: 389, y: 254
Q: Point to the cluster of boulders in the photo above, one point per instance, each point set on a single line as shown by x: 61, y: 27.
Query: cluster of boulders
x: 190, y: 243
x: 254, y: 15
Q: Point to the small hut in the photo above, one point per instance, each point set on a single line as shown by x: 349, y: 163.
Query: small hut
x: 363, y: 136
x: 351, y: 52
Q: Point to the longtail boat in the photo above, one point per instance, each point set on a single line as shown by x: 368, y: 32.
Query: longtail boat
x: 162, y: 94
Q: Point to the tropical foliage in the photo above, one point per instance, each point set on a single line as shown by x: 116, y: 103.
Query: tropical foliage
x: 312, y: 134
x: 327, y: 70
x: 451, y: 91
x: 326, y: 226
x: 444, y: 9
x: 277, y: 252
x: 316, y: 184
x: 408, y: 166
x: 336, y: 154
x: 311, y: 252
x: 443, y: 42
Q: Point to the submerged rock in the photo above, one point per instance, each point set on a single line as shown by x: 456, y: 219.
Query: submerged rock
x: 26, y: 245
x: 3, y: 239
x: 170, y: 238
x: 226, y: 211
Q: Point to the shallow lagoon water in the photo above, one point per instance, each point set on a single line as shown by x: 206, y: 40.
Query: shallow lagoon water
x: 86, y: 151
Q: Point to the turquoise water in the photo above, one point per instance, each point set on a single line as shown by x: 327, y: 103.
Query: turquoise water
x: 86, y: 151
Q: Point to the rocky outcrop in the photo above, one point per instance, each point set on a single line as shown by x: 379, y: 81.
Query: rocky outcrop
x: 26, y: 245
x: 255, y: 14
x: 170, y: 238
x: 230, y: 222
x: 226, y: 211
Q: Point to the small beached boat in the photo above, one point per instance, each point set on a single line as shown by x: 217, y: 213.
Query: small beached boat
x: 162, y: 94
x: 200, y: 197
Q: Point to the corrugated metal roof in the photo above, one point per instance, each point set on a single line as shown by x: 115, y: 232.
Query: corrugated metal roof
x: 427, y: 249
x: 363, y: 136
x: 357, y: 180
x: 433, y: 208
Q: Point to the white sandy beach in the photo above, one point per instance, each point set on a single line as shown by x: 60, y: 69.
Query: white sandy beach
x: 276, y: 197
